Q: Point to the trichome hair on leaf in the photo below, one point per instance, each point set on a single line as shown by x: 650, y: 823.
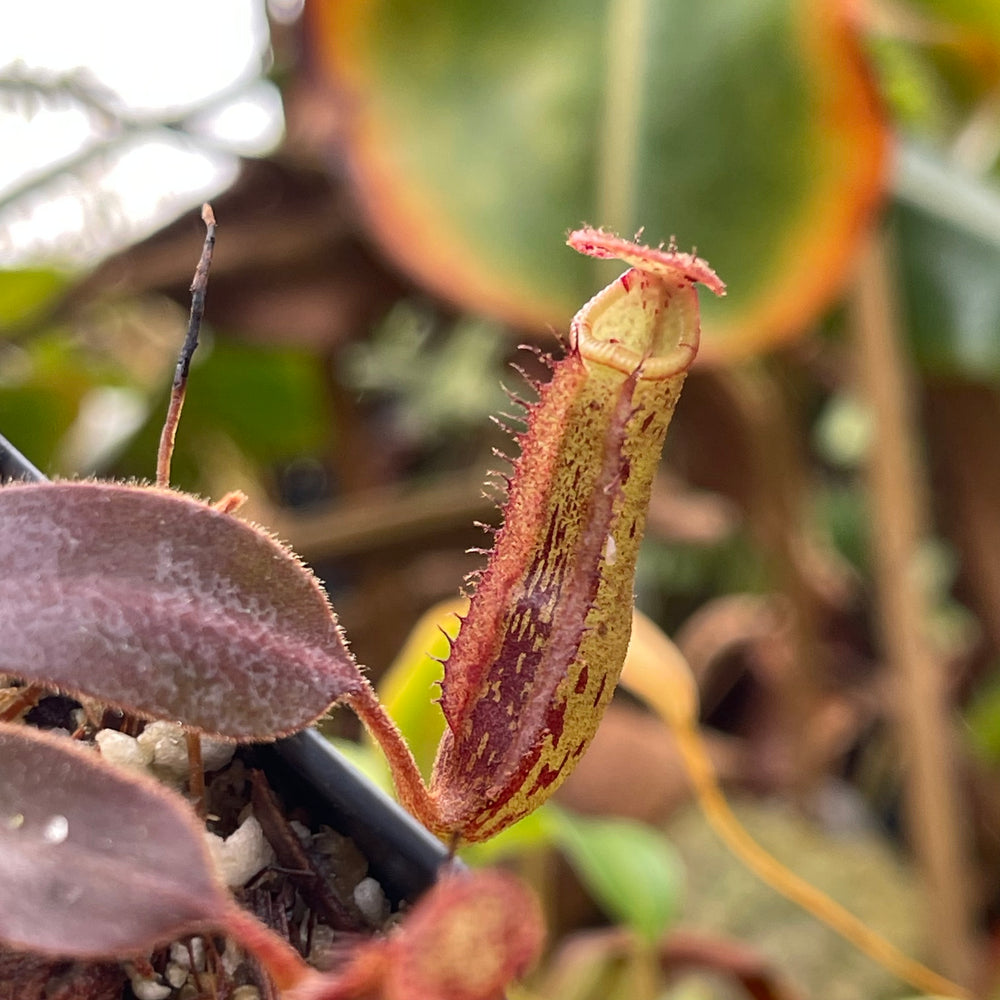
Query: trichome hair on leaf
x: 159, y: 604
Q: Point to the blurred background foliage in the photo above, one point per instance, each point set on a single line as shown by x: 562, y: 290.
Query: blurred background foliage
x: 378, y: 266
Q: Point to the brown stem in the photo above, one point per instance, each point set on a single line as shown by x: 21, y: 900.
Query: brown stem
x: 22, y: 700
x: 199, y: 287
x: 898, y: 490
x: 281, y: 961
x: 196, y: 774
x: 410, y: 788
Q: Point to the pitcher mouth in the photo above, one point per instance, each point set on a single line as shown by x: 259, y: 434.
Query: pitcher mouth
x: 648, y: 319
x: 662, y: 346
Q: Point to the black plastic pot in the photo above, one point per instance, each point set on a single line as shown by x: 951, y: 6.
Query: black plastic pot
x: 307, y: 771
x: 13, y: 465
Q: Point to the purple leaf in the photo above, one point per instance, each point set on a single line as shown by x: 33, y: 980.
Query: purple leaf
x: 156, y: 603
x: 94, y: 862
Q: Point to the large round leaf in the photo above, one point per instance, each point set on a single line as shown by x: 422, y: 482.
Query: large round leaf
x: 476, y: 131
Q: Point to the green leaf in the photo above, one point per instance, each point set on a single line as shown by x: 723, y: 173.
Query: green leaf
x: 478, y: 130
x: 409, y: 688
x: 42, y: 388
x: 632, y: 870
x: 981, y: 19
x: 270, y: 402
x: 444, y: 385
x: 24, y: 294
x: 982, y: 721
x: 947, y: 226
x: 367, y: 759
x: 527, y: 834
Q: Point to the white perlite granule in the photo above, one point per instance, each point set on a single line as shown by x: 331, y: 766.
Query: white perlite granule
x: 242, y: 854
x: 176, y: 975
x: 148, y: 989
x: 180, y: 954
x: 245, y: 993
x: 168, y: 745
x: 125, y: 750
x: 371, y: 901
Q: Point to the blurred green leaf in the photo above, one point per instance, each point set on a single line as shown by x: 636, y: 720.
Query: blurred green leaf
x: 366, y: 759
x: 270, y: 402
x: 980, y: 16
x: 843, y: 431
x: 36, y: 417
x: 409, y: 689
x: 841, y: 511
x: 948, y: 240
x: 938, y: 61
x: 982, y: 720
x: 480, y: 130
x: 42, y: 387
x: 446, y: 385
x: 527, y: 834
x: 631, y: 869
x: 910, y: 86
x: 674, y: 578
x: 24, y: 294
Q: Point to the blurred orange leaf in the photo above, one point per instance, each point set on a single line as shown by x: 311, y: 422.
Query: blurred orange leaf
x: 476, y: 131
